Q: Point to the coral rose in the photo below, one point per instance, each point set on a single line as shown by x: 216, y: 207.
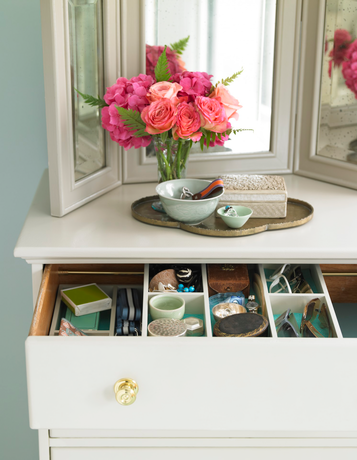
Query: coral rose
x: 230, y: 104
x: 164, y: 90
x: 159, y: 116
x: 212, y: 113
x: 188, y: 123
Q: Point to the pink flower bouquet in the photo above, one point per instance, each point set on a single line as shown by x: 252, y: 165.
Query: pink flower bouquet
x: 175, y: 110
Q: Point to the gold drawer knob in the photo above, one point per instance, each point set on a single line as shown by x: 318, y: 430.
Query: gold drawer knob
x: 125, y: 391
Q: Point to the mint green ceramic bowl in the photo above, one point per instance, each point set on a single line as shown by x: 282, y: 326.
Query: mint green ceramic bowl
x: 236, y: 222
x: 167, y: 306
x: 187, y: 211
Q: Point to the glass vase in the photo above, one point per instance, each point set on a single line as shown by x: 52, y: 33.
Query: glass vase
x: 171, y: 157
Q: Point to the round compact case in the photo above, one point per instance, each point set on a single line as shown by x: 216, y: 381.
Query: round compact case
x: 242, y: 325
x: 167, y: 327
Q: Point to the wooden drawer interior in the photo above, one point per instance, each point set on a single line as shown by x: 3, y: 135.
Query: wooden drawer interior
x: 337, y: 287
x: 55, y: 275
x: 341, y: 282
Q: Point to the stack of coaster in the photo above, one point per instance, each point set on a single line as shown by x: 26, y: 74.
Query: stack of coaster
x: 265, y: 195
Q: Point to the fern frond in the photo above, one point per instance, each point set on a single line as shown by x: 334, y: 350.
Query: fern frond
x: 132, y: 119
x: 180, y: 46
x: 162, y: 69
x: 92, y: 101
x: 229, y: 80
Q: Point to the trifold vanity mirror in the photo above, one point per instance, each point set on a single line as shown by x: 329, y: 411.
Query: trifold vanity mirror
x: 88, y: 44
x: 327, y: 110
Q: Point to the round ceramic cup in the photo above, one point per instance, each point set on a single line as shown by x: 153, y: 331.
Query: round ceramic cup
x: 243, y: 214
x: 167, y: 306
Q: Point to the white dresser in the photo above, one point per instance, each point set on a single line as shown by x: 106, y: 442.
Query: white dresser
x: 200, y: 397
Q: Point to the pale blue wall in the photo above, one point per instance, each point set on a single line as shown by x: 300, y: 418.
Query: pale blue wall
x: 23, y: 156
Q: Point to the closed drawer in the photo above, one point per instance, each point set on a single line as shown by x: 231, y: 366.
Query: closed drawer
x: 214, y: 385
x: 204, y: 453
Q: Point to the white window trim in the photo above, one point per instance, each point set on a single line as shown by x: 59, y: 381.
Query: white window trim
x: 307, y: 163
x: 66, y: 194
x: 138, y: 168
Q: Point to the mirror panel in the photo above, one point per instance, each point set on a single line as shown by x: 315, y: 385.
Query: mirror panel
x: 337, y: 133
x: 225, y: 36
x: 85, y: 19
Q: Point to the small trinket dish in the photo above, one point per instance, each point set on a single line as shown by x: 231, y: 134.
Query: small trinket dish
x: 194, y: 326
x: 235, y: 221
x: 222, y: 310
x: 167, y: 327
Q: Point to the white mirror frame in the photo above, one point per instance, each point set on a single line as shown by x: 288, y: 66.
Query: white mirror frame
x: 279, y: 160
x: 66, y: 194
x: 307, y: 163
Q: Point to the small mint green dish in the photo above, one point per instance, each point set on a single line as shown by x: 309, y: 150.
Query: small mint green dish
x: 236, y: 221
x: 187, y: 211
x: 166, y: 306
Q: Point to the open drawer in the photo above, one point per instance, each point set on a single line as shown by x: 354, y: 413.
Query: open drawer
x: 214, y: 385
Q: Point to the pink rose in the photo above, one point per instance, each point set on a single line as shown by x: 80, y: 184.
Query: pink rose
x: 230, y: 104
x: 164, y: 90
x: 159, y: 116
x: 212, y: 113
x: 188, y: 123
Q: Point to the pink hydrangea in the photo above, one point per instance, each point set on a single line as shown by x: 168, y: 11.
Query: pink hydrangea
x: 130, y: 94
x: 349, y: 68
x: 341, y: 43
x: 154, y: 52
x: 193, y: 84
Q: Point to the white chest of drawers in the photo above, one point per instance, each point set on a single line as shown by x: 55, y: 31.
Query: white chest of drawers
x: 198, y: 396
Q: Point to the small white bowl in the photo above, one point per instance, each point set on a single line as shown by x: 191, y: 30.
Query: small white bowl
x: 238, y: 221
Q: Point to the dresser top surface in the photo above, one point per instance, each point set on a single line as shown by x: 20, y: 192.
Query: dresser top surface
x: 104, y: 230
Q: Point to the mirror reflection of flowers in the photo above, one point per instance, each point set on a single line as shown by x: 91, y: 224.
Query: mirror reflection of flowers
x: 338, y: 54
x: 184, y: 107
x: 349, y: 68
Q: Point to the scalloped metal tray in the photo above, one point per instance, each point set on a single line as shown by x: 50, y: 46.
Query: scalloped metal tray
x: 298, y: 213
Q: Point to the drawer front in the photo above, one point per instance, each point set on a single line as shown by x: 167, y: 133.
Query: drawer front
x: 207, y: 384
x: 217, y: 384
x: 208, y: 453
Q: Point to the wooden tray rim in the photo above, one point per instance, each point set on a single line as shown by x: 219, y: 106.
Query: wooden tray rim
x: 223, y: 233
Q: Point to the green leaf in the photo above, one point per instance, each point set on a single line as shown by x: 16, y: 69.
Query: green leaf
x: 162, y: 69
x: 208, y: 138
x: 214, y: 135
x: 132, y: 119
x: 229, y: 80
x: 92, y: 101
x: 180, y: 46
x: 202, y: 142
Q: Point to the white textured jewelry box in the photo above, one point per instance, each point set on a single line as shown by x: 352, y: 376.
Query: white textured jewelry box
x: 265, y: 195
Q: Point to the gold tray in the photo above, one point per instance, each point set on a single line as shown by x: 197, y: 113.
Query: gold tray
x: 298, y: 213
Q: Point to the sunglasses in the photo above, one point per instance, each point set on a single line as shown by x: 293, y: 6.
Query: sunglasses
x: 289, y: 281
x: 313, y: 311
x: 286, y: 325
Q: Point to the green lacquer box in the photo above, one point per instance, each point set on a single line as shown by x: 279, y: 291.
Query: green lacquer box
x: 83, y: 300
